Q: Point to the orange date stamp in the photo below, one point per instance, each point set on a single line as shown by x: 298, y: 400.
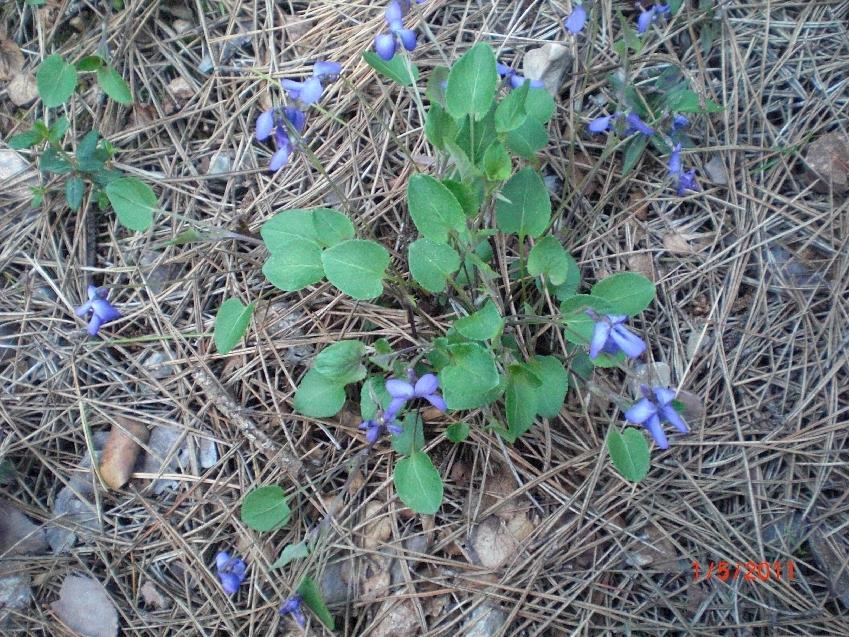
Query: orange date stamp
x: 748, y: 571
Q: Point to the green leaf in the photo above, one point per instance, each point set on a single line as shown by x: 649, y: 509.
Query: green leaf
x: 528, y: 139
x: 674, y: 6
x: 472, y: 82
x: 56, y: 80
x: 418, y: 483
x: 555, y: 383
x: 469, y: 376
x: 435, y: 211
x: 483, y: 325
x: 231, y: 322
x: 626, y: 292
x: 24, y: 140
x: 549, y: 258
x: 573, y: 280
x: 510, y: 112
x: 457, y: 432
x: 295, y: 268
x: 683, y: 100
x: 289, y: 553
x: 342, y: 362
x: 74, y: 191
x: 318, y: 396
x: 527, y: 209
x: 629, y: 453
x: 634, y: 149
x: 331, y: 226
x: 265, y: 508
x: 496, y: 162
x: 186, y: 236
x: 412, y: 439
x: 134, y: 202
x: 89, y: 63
x: 431, y: 263
x: 469, y: 198
x: 395, y: 69
x: 356, y: 267
x: 436, y: 83
x: 52, y: 162
x: 310, y: 593
x: 58, y: 129
x: 114, y: 85
x: 475, y: 137
x: 87, y: 145
x: 466, y: 169
x: 372, y: 393
x: 520, y: 399
x: 288, y: 227
x: 439, y: 126
x: 539, y: 105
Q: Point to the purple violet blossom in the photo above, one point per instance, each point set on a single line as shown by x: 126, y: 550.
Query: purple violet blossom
x: 687, y: 181
x: 516, y: 80
x: 577, y: 19
x: 385, y: 44
x: 679, y: 122
x: 375, y: 427
x: 401, y: 391
x: 293, y: 607
x: 600, y: 124
x: 651, y: 14
x: 656, y: 406
x: 674, y: 164
x: 274, y: 121
x: 230, y: 571
x: 102, y: 310
x: 610, y: 336
x: 637, y: 125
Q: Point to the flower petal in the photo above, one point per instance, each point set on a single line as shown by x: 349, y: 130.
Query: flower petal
x: 437, y: 401
x: 394, y: 12
x: 674, y: 418
x: 664, y: 395
x: 600, y: 124
x: 105, y: 311
x: 641, y: 411
x: 601, y: 332
x: 674, y: 164
x: 637, y: 124
x: 408, y: 38
x: 394, y: 407
x: 229, y: 582
x: 264, y: 125
x: 384, y: 45
x: 94, y: 325
x: 221, y: 559
x: 326, y: 70
x: 503, y: 69
x: 83, y: 309
x: 427, y: 384
x: 656, y: 431
x: 576, y: 20
x: 627, y: 341
x: 292, y: 87
x: 645, y: 20
x: 399, y: 388
x: 280, y: 158
x: 311, y: 92
x: 296, y: 117
x: 679, y: 121
x: 94, y: 292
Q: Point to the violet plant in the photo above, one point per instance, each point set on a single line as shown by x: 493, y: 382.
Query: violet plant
x: 87, y: 167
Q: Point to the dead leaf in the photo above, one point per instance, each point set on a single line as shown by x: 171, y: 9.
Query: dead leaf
x: 644, y: 264
x: 379, y: 529
x: 829, y: 550
x: 16, y: 174
x: 22, y: 90
x: 401, y: 620
x: 375, y: 578
x: 121, y: 450
x: 152, y: 597
x: 180, y: 89
x: 85, y: 607
x: 11, y: 59
x: 74, y: 512
x: 827, y: 159
x: 653, y: 548
x: 678, y: 243
x: 715, y: 170
x: 493, y: 542
x: 548, y: 63
x: 19, y: 536
x: 497, y: 490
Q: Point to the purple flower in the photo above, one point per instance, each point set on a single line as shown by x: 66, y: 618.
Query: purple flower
x: 230, y: 571
x: 292, y: 606
x: 326, y: 71
x: 687, y: 181
x: 307, y: 92
x: 610, y: 336
x: 577, y: 19
x: 101, y: 309
x: 655, y: 407
x: 650, y: 15
x: 385, y: 43
x: 516, y: 80
x: 674, y: 163
x: 679, y: 122
x: 600, y: 124
x: 375, y: 427
x: 637, y: 125
x: 401, y: 391
x: 276, y: 121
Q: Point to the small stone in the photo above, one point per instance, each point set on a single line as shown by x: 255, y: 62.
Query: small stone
x: 220, y: 164
x: 181, y: 26
x: 827, y: 159
x: 22, y: 89
x: 715, y: 170
x: 549, y: 64
x: 180, y: 88
x: 486, y: 620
